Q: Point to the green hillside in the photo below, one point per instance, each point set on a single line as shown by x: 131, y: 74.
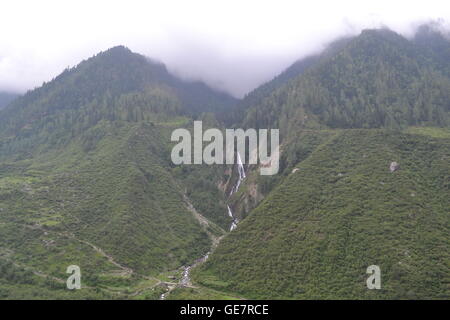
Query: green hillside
x: 377, y: 79
x: 314, y: 236
x: 86, y: 179
x: 335, y: 208
x: 114, y: 85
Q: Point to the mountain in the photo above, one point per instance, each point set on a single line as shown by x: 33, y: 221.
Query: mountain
x: 373, y: 69
x: 336, y: 208
x: 80, y: 97
x: 86, y: 179
x: 260, y: 94
x: 6, y: 98
x: 255, y: 97
x: 341, y: 211
x: 378, y: 79
x: 435, y: 44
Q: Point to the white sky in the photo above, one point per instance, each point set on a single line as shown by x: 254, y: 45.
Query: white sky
x: 233, y: 45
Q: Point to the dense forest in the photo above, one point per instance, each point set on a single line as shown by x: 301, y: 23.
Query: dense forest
x: 336, y: 208
x: 376, y: 80
x: 85, y: 174
x: 116, y: 85
x: 86, y: 178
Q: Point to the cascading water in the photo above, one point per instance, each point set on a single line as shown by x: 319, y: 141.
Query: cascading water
x: 242, y: 176
x: 240, y: 167
x: 185, y: 277
x: 185, y: 280
x: 241, y: 172
x: 234, y: 222
x: 229, y: 212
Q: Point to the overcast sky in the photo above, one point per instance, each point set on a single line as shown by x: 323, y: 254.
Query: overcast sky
x: 232, y: 45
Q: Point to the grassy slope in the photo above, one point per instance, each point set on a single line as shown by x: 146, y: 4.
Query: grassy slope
x: 86, y: 176
x: 316, y: 233
x: 105, y: 191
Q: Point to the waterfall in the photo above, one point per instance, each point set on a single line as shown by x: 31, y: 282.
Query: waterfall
x: 229, y: 212
x: 234, y: 222
x: 240, y: 167
x: 241, y: 172
x: 242, y: 176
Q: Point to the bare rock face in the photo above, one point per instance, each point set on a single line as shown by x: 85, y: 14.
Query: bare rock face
x: 394, y: 166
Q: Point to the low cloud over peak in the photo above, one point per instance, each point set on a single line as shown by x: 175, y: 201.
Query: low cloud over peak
x: 231, y: 45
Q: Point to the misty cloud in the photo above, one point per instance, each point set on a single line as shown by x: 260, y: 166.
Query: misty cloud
x: 233, y: 46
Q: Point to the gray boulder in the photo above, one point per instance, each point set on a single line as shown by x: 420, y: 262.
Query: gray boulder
x: 394, y: 166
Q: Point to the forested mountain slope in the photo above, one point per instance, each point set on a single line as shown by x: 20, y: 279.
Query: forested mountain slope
x: 114, y: 85
x: 377, y: 79
x: 86, y: 177
x: 335, y: 208
x: 341, y: 211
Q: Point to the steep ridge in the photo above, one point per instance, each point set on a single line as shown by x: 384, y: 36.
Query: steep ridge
x: 86, y: 176
x: 378, y: 79
x: 113, y: 85
x: 339, y: 212
x: 335, y: 208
